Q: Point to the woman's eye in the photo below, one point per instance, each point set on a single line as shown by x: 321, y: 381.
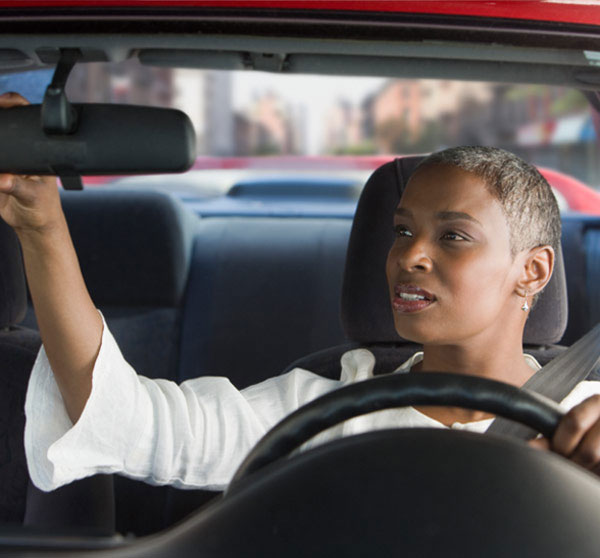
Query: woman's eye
x: 452, y: 236
x: 401, y: 230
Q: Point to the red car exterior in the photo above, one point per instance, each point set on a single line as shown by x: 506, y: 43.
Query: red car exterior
x: 578, y: 11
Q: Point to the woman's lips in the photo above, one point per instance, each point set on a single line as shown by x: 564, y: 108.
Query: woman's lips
x: 410, y: 298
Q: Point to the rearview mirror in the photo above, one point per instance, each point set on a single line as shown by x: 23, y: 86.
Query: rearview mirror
x: 108, y: 139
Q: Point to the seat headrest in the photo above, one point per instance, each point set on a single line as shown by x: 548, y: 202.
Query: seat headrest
x: 366, y: 311
x: 133, y: 246
x: 13, y: 290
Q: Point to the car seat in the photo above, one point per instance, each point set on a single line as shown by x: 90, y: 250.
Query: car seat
x: 18, y: 349
x: 366, y: 313
x: 284, y: 273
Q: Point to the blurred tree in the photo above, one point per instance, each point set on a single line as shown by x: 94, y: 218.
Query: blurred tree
x: 569, y: 102
x: 395, y: 137
x: 366, y: 147
x: 266, y: 149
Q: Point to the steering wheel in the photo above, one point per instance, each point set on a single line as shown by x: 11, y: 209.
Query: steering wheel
x: 400, y: 390
x: 403, y: 491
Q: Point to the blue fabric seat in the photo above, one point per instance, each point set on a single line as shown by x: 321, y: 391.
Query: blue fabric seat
x: 18, y: 349
x: 581, y: 251
x: 262, y: 292
x: 134, y: 250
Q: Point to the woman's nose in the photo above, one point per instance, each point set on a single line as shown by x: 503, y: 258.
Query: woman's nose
x: 413, y: 256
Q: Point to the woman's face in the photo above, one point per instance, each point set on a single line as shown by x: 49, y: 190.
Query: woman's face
x: 450, y: 271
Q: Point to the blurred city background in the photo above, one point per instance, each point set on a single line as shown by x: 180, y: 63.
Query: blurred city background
x: 254, y: 114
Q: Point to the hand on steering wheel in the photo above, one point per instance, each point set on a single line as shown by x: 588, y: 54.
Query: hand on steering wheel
x: 577, y: 436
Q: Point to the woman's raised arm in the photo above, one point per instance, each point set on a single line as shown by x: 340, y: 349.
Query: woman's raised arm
x: 70, y: 325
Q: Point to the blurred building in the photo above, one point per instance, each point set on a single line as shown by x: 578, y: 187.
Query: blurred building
x: 270, y: 127
x: 272, y: 133
x: 552, y: 127
x: 128, y: 82
x: 205, y: 96
x: 344, y: 127
x: 421, y: 115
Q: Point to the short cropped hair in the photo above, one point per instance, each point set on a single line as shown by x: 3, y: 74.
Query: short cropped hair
x: 526, y: 198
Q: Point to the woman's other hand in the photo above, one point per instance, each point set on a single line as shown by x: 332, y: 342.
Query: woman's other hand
x: 578, y: 435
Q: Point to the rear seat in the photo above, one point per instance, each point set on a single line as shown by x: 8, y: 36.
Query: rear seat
x: 262, y: 292
x: 134, y: 251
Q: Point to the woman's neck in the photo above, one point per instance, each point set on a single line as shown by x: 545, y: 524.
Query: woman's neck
x: 502, y: 361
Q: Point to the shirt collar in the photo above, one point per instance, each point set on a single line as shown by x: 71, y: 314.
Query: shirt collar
x: 418, y: 357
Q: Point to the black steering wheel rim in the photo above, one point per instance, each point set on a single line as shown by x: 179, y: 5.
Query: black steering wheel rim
x: 401, y: 390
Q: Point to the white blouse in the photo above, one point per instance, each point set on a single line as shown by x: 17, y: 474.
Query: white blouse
x: 191, y: 435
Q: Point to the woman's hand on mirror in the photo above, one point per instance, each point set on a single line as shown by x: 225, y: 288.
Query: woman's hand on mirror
x: 28, y: 203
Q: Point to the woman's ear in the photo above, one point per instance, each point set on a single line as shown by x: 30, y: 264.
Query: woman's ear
x: 536, y: 271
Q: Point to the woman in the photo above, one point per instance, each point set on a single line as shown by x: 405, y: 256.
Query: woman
x: 476, y: 234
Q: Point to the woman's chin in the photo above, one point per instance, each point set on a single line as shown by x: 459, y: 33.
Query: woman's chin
x: 420, y: 333
x: 414, y: 335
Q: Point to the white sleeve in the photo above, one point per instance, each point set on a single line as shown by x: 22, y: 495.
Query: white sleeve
x: 192, y: 435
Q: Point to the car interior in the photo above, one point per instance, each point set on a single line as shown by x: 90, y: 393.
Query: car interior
x: 171, y: 276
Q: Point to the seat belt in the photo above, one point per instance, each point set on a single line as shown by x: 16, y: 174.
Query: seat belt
x: 556, y: 380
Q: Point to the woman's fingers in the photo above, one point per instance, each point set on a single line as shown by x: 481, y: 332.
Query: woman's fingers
x: 7, y: 183
x: 12, y: 99
x: 540, y: 443
x: 19, y: 186
x: 27, y: 202
x: 10, y: 183
x: 578, y: 434
x: 587, y: 453
x: 575, y: 424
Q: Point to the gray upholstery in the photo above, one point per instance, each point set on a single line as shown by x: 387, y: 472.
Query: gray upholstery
x: 366, y: 312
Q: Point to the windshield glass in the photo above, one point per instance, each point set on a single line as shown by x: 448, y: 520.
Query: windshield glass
x: 256, y: 124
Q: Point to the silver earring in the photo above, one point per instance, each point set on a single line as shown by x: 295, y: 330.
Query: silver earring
x: 525, y: 306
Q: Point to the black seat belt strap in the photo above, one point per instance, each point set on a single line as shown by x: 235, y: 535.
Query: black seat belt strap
x: 557, y: 379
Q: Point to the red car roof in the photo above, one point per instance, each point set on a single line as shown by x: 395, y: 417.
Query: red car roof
x: 565, y: 11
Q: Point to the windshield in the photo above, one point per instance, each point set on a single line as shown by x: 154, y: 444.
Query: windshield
x: 256, y: 124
